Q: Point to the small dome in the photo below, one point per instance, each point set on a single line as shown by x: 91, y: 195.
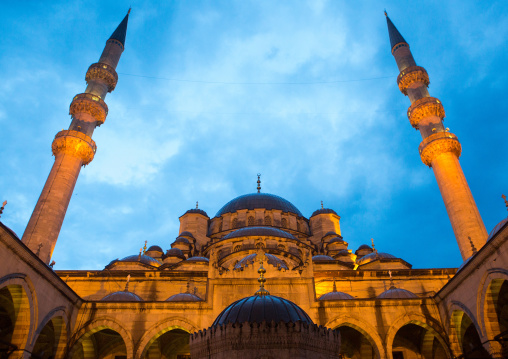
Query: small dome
x: 251, y: 258
x: 122, y: 296
x: 198, y: 211
x: 181, y: 240
x: 143, y: 259
x: 497, y: 228
x: 323, y: 211
x: 258, y: 200
x: 343, y: 252
x: 375, y: 256
x: 174, y: 252
x: 198, y: 259
x: 364, y: 246
x: 397, y: 293
x: 259, y: 231
x: 336, y: 296
x: 155, y: 249
x: 184, y: 297
x: 331, y: 233
x: 256, y: 309
x: 186, y: 234
x: 336, y: 240
x: 321, y: 257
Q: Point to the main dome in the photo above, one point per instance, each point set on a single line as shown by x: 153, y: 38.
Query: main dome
x: 258, y: 200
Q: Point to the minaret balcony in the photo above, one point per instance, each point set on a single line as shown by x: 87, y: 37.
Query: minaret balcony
x: 438, y: 143
x: 412, y: 77
x: 90, y: 104
x: 76, y: 144
x: 104, y: 73
x: 423, y: 108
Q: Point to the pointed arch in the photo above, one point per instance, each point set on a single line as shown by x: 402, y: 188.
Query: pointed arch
x: 58, y: 319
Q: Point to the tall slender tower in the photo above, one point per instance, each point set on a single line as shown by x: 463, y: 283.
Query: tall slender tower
x: 74, y: 148
x: 440, y: 149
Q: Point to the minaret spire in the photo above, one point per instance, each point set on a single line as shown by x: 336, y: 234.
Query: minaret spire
x: 439, y: 149
x: 74, y: 148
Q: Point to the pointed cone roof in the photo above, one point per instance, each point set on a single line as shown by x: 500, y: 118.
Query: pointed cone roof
x: 121, y: 30
x: 395, y: 36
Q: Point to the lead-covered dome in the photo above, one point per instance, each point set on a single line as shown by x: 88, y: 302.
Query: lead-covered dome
x: 397, y: 293
x: 256, y: 309
x: 259, y: 200
x: 122, y: 296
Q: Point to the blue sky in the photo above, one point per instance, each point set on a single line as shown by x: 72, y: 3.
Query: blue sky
x: 212, y: 92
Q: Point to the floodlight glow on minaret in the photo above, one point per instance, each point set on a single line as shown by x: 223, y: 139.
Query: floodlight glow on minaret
x: 74, y: 148
x: 440, y: 149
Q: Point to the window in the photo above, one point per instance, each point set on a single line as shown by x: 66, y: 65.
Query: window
x: 237, y: 248
x: 250, y: 221
x: 268, y: 221
x: 234, y: 225
x: 260, y: 245
x: 284, y: 223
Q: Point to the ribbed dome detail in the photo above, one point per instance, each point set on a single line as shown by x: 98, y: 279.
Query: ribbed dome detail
x: 336, y: 296
x: 257, y: 309
x: 397, y: 293
x: 122, y: 296
x: 259, y: 231
x: 259, y: 200
x: 184, y: 297
x: 271, y: 259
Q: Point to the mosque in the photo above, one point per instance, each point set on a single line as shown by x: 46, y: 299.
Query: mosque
x: 257, y: 279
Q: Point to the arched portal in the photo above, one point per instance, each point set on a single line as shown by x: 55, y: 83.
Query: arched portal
x: 102, y: 344
x: 172, y: 344
x: 413, y: 341
x: 496, y: 313
x: 51, y: 340
x: 14, y: 319
x: 355, y: 345
x: 467, y: 336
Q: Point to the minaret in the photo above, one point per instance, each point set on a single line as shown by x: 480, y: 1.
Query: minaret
x: 74, y: 148
x: 440, y: 149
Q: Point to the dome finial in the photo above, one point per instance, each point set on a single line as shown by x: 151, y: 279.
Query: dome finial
x: 322, y: 205
x: 259, y: 182
x: 373, y: 248
x: 504, y: 197
x: 386, y: 14
x: 127, y: 283
x: 3, y: 207
x: 391, y: 280
x: 473, y: 248
x: 144, y: 248
x: 261, y: 291
x: 140, y: 251
x: 197, y: 205
x: 334, y: 286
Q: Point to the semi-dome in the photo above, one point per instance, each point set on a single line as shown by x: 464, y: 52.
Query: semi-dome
x: 374, y: 256
x: 198, y: 259
x: 184, y: 297
x: 397, y: 293
x: 323, y: 211
x: 336, y: 296
x: 142, y: 259
x: 198, y: 211
x: 256, y: 309
x: 259, y: 200
x: 259, y: 231
x: 271, y: 259
x: 122, y: 296
x: 155, y: 249
x: 321, y: 257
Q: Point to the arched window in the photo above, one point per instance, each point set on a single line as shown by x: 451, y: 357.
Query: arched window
x: 268, y: 221
x: 260, y: 245
x: 238, y: 248
x: 298, y: 226
x: 284, y: 223
x: 234, y: 225
x: 281, y: 247
x: 250, y: 221
x: 220, y: 226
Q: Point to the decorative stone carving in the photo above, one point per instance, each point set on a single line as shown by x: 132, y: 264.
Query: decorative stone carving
x: 438, y: 143
x: 410, y: 76
x: 103, y: 72
x: 425, y: 107
x: 76, y: 144
x: 90, y: 104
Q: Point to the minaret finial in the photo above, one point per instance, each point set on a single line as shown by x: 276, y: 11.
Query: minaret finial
x: 197, y: 205
x: 504, y: 197
x: 127, y: 283
x: 2, y: 208
x: 261, y: 291
x: 140, y: 251
x: 322, y: 205
x: 386, y: 14
x: 259, y: 182
x: 128, y: 12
